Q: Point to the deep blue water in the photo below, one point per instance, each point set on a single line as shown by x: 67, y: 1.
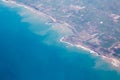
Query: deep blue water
x: 24, y: 55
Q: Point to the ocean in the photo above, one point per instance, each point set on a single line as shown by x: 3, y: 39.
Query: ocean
x: 30, y: 50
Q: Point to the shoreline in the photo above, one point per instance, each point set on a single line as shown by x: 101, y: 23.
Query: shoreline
x: 113, y: 61
x: 109, y: 59
x: 48, y: 18
x: 31, y: 9
x: 80, y: 46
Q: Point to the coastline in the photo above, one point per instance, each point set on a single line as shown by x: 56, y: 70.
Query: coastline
x: 80, y: 46
x: 53, y: 21
x: 31, y: 9
x: 111, y: 60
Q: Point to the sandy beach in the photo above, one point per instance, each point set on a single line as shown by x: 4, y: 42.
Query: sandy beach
x: 111, y: 60
x: 79, y: 46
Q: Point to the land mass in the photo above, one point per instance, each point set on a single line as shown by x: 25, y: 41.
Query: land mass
x: 95, y: 24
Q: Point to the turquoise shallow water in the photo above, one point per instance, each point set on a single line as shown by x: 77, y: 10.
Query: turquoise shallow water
x: 29, y: 50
